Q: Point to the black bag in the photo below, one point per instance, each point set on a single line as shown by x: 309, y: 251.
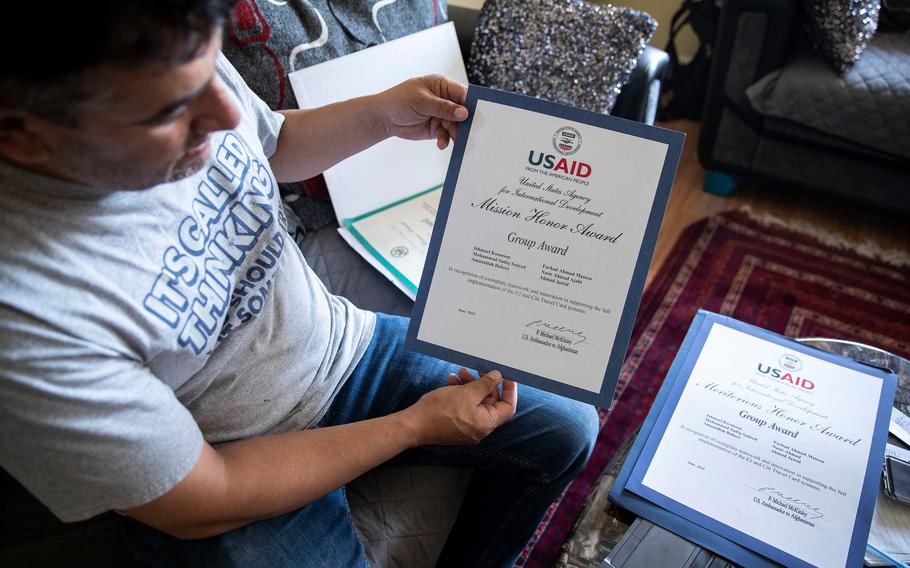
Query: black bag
x: 894, y: 16
x: 687, y: 83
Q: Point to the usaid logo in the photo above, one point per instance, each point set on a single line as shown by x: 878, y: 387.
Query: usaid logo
x: 567, y: 140
x: 790, y: 362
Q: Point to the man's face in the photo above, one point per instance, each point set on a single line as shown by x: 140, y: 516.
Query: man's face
x: 151, y: 125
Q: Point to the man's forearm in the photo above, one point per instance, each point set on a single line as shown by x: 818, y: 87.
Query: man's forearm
x: 313, y: 140
x: 423, y: 108
x: 259, y: 478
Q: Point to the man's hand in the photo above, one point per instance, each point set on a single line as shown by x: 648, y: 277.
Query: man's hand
x: 466, y: 411
x: 424, y: 108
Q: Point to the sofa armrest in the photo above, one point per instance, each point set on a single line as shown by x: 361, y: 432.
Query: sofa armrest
x: 465, y: 20
x: 754, y: 37
x: 638, y: 98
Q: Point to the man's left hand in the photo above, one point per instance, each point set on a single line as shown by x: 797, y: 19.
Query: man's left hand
x: 425, y: 108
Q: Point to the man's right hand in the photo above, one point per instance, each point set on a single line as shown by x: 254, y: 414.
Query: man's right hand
x: 465, y: 412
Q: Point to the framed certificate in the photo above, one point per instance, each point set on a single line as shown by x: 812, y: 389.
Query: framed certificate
x: 545, y: 231
x: 752, y: 449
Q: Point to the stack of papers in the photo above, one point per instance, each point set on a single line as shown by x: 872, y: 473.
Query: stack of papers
x: 394, y: 171
x: 761, y: 449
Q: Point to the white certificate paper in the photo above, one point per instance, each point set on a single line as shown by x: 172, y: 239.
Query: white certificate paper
x: 771, y: 447
x: 394, y: 169
x: 545, y: 232
x: 398, y: 235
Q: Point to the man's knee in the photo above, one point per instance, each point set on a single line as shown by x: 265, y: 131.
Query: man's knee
x: 585, y: 427
x: 575, y: 436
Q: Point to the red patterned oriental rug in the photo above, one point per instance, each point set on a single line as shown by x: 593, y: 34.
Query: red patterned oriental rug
x: 785, y: 279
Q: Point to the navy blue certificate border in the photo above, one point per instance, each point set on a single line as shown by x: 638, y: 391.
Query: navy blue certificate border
x: 705, y: 530
x: 673, y: 140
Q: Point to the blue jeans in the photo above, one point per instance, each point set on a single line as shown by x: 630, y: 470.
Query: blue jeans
x: 519, y: 470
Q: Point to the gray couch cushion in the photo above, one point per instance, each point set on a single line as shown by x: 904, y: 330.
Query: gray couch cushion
x: 403, y: 514
x: 345, y: 273
x: 869, y: 105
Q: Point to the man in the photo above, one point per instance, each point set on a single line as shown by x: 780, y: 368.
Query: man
x: 167, y: 353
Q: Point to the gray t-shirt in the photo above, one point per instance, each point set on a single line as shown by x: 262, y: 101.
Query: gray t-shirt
x: 136, y: 324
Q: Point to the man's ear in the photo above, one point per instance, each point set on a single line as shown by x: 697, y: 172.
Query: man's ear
x: 22, y: 140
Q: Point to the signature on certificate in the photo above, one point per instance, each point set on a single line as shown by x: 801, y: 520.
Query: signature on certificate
x: 793, y: 504
x: 579, y: 335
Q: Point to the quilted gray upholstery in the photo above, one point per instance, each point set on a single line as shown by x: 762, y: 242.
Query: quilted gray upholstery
x: 345, y: 273
x: 403, y: 514
x: 869, y: 105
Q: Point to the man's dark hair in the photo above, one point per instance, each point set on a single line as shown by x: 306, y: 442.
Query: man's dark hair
x: 47, y: 45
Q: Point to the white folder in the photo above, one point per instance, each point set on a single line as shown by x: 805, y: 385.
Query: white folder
x: 393, y: 169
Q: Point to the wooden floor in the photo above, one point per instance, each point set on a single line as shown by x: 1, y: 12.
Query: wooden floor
x: 688, y: 203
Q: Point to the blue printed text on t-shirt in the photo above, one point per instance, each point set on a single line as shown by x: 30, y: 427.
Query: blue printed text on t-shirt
x: 231, y: 212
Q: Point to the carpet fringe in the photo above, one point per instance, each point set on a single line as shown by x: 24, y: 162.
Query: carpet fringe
x: 866, y: 248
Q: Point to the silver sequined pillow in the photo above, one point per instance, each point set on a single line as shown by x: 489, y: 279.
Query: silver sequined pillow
x: 840, y: 29
x: 567, y: 51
